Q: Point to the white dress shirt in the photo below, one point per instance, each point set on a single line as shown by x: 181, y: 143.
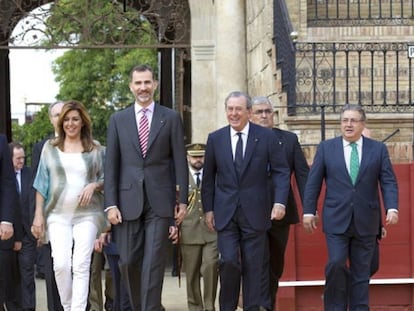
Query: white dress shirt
x: 234, y: 138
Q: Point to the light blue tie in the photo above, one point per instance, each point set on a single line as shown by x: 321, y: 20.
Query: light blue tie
x: 354, y: 163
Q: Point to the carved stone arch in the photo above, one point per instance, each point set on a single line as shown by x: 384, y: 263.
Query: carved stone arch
x: 170, y: 21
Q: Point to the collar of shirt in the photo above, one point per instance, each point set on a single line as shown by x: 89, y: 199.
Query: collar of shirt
x: 234, y: 138
x: 193, y: 171
x: 138, y: 112
x: 347, y: 150
x: 359, y: 142
x: 244, y: 131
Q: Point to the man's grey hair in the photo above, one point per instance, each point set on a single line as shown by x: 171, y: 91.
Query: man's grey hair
x: 354, y: 107
x: 239, y: 94
x: 258, y: 100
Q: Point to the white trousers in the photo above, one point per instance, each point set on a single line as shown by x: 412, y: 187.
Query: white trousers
x: 72, y: 247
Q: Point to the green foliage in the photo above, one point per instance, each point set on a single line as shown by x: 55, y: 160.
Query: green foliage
x: 96, y: 22
x: 30, y: 133
x: 97, y: 77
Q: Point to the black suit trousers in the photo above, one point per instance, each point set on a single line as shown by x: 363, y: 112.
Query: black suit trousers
x: 348, y: 286
x: 242, y: 252
x: 27, y: 259
x: 142, y: 245
x: 274, y: 262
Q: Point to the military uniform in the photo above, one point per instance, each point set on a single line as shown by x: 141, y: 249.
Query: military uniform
x: 198, y: 247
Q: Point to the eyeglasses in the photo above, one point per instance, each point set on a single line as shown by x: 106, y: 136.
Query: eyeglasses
x: 352, y: 121
x: 261, y: 111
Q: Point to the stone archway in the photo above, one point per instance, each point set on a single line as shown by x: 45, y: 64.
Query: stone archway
x: 170, y: 24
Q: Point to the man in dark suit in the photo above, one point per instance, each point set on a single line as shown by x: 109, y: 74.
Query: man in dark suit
x: 27, y: 254
x: 236, y: 201
x: 44, y: 251
x: 145, y: 161
x: 8, y: 217
x: 278, y: 234
x: 354, y: 168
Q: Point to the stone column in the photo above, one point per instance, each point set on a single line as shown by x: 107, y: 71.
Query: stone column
x: 203, y: 84
x: 218, y: 61
x: 231, y: 60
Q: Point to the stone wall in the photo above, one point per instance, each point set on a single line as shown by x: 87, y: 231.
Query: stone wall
x: 260, y: 49
x: 263, y: 78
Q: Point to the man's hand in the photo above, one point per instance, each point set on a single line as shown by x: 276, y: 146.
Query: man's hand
x: 114, y: 216
x: 310, y: 223
x: 210, y: 221
x: 6, y: 231
x: 392, y: 218
x: 278, y: 211
x: 179, y: 213
x: 17, y: 246
x: 173, y: 234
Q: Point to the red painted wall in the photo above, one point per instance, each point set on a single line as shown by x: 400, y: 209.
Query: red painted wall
x: 306, y: 257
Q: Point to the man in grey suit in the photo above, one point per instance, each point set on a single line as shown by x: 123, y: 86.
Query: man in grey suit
x: 145, y: 161
x: 354, y: 168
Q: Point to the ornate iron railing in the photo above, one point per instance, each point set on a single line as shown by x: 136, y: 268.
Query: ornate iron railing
x: 378, y: 76
x: 328, y: 13
x: 94, y: 23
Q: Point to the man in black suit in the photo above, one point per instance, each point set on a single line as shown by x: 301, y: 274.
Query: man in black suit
x: 355, y: 170
x: 236, y: 201
x: 145, y: 161
x: 53, y: 299
x: 8, y: 217
x: 278, y: 234
x: 27, y: 254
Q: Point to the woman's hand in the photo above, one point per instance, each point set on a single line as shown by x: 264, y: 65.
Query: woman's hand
x: 103, y: 240
x: 86, y: 194
x: 38, y: 226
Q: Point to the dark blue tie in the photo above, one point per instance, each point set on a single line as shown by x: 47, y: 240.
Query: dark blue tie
x: 238, y: 156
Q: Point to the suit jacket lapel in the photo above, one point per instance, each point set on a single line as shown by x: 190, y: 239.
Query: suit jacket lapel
x: 252, y: 140
x: 227, y: 151
x: 132, y: 127
x: 23, y: 182
x: 157, y: 122
x: 338, y: 153
x: 365, y: 159
x: 250, y: 144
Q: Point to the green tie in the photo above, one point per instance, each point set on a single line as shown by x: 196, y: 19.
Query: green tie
x: 354, y: 163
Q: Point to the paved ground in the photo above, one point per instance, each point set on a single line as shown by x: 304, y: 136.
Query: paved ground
x: 173, y: 298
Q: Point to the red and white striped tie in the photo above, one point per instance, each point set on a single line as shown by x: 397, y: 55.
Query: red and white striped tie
x: 143, y: 131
